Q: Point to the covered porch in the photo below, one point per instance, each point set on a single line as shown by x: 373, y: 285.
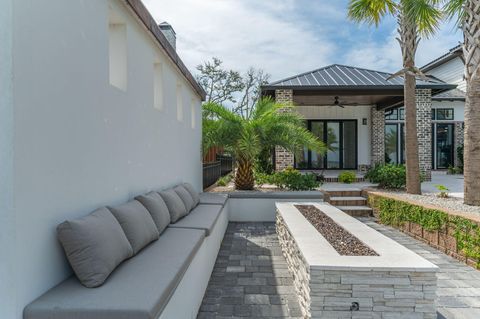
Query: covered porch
x: 345, y: 107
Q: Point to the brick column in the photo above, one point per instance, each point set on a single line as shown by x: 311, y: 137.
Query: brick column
x: 283, y: 158
x: 424, y: 131
x: 459, y: 129
x: 378, y: 136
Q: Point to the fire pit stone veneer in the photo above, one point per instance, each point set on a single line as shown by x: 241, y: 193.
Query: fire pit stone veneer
x: 396, y: 284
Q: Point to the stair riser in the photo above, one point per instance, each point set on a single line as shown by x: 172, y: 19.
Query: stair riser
x: 362, y: 202
x: 359, y: 213
x: 345, y: 193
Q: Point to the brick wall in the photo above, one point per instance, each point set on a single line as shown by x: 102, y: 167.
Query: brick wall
x: 283, y: 158
x: 378, y: 136
x: 424, y: 131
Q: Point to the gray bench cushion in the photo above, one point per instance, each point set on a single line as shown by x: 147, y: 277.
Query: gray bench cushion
x: 138, y: 289
x: 155, y: 204
x: 189, y: 187
x: 202, y: 217
x: 95, y: 245
x: 137, y: 223
x: 175, y: 205
x: 213, y: 199
x: 185, y: 197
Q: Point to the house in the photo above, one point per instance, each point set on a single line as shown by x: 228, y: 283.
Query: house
x: 96, y: 107
x: 359, y: 114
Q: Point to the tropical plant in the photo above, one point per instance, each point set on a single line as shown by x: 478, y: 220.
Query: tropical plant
x: 268, y: 125
x: 347, y: 177
x: 468, y: 13
x: 443, y: 190
x: 415, y: 18
x: 387, y: 176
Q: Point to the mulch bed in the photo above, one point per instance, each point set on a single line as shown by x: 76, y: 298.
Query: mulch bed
x: 344, y: 242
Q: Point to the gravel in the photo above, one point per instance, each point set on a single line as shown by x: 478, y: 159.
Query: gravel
x: 344, y: 242
x: 450, y: 203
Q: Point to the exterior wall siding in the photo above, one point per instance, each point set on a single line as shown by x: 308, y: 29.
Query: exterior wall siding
x: 451, y: 72
x: 79, y: 142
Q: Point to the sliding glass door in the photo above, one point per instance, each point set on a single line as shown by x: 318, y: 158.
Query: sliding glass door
x: 341, y: 137
x: 443, y: 145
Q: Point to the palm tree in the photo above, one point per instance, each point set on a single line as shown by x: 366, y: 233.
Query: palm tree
x: 245, y: 136
x: 468, y: 12
x: 415, y: 18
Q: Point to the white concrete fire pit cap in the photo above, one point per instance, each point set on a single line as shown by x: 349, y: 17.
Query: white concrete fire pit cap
x: 320, y: 254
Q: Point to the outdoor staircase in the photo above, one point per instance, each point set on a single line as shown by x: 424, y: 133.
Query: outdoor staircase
x: 350, y: 201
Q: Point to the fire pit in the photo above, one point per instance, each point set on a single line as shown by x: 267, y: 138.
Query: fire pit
x: 344, y: 269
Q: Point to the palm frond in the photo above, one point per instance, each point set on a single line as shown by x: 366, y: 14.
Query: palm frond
x: 370, y: 11
x: 426, y: 14
x: 454, y: 10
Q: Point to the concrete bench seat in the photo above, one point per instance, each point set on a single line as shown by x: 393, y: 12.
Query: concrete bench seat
x: 213, y: 199
x: 139, y: 288
x: 202, y: 217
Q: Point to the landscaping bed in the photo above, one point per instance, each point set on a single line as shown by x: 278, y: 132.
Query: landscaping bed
x: 454, y: 233
x: 344, y: 242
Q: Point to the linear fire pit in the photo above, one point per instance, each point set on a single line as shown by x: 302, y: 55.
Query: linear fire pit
x: 352, y: 271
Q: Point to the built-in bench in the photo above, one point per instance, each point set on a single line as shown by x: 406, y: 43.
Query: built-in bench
x: 168, y: 277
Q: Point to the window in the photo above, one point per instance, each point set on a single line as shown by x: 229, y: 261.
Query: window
x: 391, y: 114
x: 158, y: 86
x: 179, y: 103
x: 433, y: 114
x: 401, y: 114
x: 193, y: 113
x: 117, y: 48
x: 444, y: 114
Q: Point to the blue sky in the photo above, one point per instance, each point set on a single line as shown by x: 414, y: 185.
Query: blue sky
x: 286, y: 37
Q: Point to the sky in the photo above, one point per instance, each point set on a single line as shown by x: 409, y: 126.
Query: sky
x: 287, y: 37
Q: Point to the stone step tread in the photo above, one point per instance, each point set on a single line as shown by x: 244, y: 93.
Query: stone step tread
x: 366, y: 208
x: 339, y: 189
x: 347, y: 198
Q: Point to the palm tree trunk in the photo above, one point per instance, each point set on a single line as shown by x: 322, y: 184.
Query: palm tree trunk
x: 471, y: 50
x: 244, y: 176
x: 409, y: 43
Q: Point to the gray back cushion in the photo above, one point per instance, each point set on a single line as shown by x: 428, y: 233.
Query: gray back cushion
x: 185, y: 197
x: 175, y: 204
x: 95, y: 245
x: 193, y: 193
x: 157, y: 208
x: 137, y: 223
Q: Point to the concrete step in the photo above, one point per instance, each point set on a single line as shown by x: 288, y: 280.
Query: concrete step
x: 346, y: 192
x: 348, y: 201
x: 357, y: 211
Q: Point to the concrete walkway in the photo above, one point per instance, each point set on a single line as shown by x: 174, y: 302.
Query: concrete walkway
x: 453, y: 182
x: 251, y: 279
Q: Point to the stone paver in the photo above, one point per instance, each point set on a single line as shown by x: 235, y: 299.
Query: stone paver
x: 250, y: 278
x: 458, y: 293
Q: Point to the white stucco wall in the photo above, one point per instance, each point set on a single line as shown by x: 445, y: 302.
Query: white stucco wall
x: 348, y: 113
x: 79, y: 142
x: 7, y: 214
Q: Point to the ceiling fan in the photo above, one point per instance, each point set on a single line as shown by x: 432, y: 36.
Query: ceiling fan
x: 337, y: 102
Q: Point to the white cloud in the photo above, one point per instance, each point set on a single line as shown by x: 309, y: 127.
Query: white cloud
x: 285, y: 37
x: 242, y: 35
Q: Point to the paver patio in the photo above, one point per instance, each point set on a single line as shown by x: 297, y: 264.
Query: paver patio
x: 250, y: 278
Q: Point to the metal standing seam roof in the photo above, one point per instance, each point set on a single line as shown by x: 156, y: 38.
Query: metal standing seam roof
x: 342, y: 76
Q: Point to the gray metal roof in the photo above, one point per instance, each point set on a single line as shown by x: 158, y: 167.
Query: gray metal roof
x: 342, y: 76
x: 450, y: 95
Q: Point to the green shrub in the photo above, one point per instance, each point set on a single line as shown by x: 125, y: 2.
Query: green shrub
x: 388, y: 176
x: 290, y: 179
x: 443, y: 190
x: 347, y: 177
x: 397, y: 212
x: 224, y: 180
